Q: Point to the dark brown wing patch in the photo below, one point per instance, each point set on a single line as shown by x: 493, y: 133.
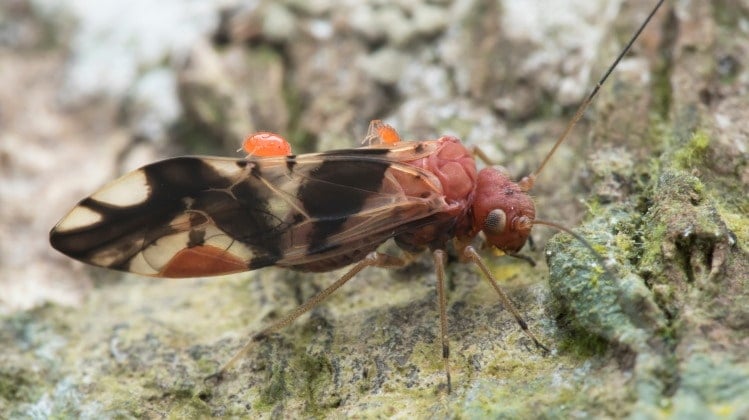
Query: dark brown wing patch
x: 333, y: 193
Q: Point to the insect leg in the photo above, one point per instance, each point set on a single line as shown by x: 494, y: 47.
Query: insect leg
x: 439, y: 264
x: 525, y: 258
x: 476, y: 151
x: 373, y: 259
x: 474, y: 256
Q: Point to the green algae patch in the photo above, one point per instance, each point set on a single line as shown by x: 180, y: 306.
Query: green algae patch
x: 18, y: 386
x: 317, y: 381
x: 274, y: 388
x: 582, y: 344
x: 673, y: 272
x: 606, y: 301
x: 737, y: 223
x: 565, y: 385
x: 712, y: 387
x: 694, y: 152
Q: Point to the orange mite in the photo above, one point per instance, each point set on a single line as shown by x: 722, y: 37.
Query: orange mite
x: 264, y: 143
x: 381, y: 133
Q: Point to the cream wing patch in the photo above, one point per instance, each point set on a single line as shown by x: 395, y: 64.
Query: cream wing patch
x: 227, y: 168
x: 130, y: 190
x: 79, y: 217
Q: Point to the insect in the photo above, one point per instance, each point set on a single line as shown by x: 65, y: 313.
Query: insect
x: 204, y: 216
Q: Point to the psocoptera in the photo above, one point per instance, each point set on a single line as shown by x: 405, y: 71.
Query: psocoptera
x: 205, y: 216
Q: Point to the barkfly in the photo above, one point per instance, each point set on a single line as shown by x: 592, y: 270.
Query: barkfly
x: 205, y: 216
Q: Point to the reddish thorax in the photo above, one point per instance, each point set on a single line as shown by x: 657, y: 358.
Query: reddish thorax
x: 455, y: 168
x: 472, y: 196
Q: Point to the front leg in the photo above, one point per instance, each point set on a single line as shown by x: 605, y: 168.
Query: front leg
x: 470, y: 253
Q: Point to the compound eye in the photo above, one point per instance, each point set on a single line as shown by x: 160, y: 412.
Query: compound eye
x: 495, y: 222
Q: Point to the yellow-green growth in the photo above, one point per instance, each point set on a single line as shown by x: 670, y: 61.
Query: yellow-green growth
x: 737, y: 222
x: 694, y: 152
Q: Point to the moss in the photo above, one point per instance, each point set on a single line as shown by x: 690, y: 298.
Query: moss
x: 557, y: 389
x: 600, y: 301
x: 624, y: 243
x: 712, y: 387
x: 426, y: 355
x: 694, y: 152
x: 680, y: 244
x: 738, y: 223
x: 583, y: 344
x: 317, y: 378
x: 18, y: 385
x: 275, y: 388
x: 191, y: 408
x: 650, y: 260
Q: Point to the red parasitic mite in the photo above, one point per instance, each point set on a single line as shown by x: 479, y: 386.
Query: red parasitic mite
x: 204, y: 216
x: 379, y: 132
x: 265, y: 143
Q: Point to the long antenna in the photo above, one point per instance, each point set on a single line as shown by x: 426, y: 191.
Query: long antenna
x: 583, y: 106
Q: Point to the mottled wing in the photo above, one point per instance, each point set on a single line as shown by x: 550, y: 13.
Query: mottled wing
x: 199, y: 216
